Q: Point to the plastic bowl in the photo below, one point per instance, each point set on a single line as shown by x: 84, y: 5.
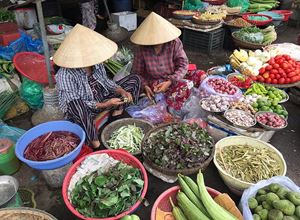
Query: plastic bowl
x: 235, y: 185
x: 269, y: 127
x: 109, y: 129
x: 273, y: 15
x: 257, y: 23
x: 117, y: 155
x: 285, y: 13
x: 162, y: 202
x: 41, y: 129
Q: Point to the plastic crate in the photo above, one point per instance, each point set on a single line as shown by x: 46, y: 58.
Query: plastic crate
x: 203, y: 41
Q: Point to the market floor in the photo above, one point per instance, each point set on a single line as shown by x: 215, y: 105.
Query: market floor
x: 287, y: 141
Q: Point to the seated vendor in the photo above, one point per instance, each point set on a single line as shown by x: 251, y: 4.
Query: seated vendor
x: 160, y: 60
x: 83, y: 86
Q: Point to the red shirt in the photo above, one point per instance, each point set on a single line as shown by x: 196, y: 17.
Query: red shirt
x: 171, y: 63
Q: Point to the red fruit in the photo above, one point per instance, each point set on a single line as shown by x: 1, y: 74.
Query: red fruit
x: 284, y: 66
x: 291, y: 74
x: 276, y: 66
x: 272, y: 75
x: 287, y: 80
x: 268, y: 80
x: 260, y: 78
x: 269, y: 67
x: 295, y: 78
x: 274, y: 71
x: 254, y: 78
x: 266, y: 75
x: 274, y: 81
x: 280, y: 71
x: 281, y: 81
x: 262, y: 70
x: 277, y: 76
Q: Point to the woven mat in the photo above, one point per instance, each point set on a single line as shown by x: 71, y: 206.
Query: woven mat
x: 24, y: 214
x: 188, y: 24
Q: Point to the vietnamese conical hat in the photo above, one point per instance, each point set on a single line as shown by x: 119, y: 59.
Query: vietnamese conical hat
x: 84, y: 47
x: 155, y: 30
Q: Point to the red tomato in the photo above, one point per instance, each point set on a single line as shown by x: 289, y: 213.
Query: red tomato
x: 272, y: 76
x: 254, y: 78
x: 277, y: 76
x: 284, y: 66
x: 260, y: 78
x: 268, y: 80
x: 280, y: 70
x: 266, y: 75
x: 295, y: 78
x: 272, y: 62
x: 291, y: 74
x: 276, y: 66
x: 280, y: 61
x: 274, y: 71
x: 281, y: 81
x: 278, y: 57
x: 287, y: 57
x: 288, y: 70
x: 269, y: 67
x: 262, y: 70
x: 274, y: 81
x: 287, y: 80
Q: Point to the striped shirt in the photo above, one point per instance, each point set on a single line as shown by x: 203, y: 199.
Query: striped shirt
x: 73, y: 83
x: 171, y: 63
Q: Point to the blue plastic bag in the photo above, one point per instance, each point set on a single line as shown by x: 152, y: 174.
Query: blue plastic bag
x: 11, y: 133
x: 23, y: 44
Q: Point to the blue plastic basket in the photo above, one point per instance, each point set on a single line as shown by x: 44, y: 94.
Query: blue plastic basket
x: 41, y: 129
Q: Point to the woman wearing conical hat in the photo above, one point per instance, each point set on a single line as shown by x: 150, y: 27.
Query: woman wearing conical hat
x: 83, y: 86
x: 160, y: 60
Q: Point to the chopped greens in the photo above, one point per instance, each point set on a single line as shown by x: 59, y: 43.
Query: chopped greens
x: 101, y: 195
x: 179, y: 146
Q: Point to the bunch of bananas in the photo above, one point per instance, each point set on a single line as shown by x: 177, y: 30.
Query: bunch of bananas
x: 237, y: 57
x: 208, y: 16
x: 7, y: 68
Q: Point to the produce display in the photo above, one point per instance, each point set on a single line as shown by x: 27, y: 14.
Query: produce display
x: 222, y: 86
x: 51, y: 145
x: 275, y: 202
x: 178, y: 146
x: 262, y: 5
x: 127, y: 137
x: 7, y: 100
x: 266, y: 105
x: 217, y: 9
x: 270, y: 119
x: 184, y: 12
x: 241, y: 81
x: 195, y: 203
x: 250, y: 99
x: 239, y: 22
x: 240, y: 118
x: 281, y: 69
x: 270, y: 92
x: 248, y: 163
x: 215, y: 103
x: 208, y: 16
x: 7, y: 68
x: 242, y: 106
x: 257, y: 36
x: 107, y: 194
x: 258, y: 18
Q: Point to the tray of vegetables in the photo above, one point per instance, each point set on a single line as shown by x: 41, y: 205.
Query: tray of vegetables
x: 271, y: 121
x: 108, y: 184
x: 178, y: 148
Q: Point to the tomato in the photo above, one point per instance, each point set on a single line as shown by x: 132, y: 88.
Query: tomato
x: 288, y: 70
x: 276, y: 66
x: 277, y: 76
x: 291, y: 74
x: 280, y: 61
x: 284, y: 66
x: 272, y: 62
x: 295, y: 78
x: 268, y: 80
x: 287, y: 80
x: 287, y: 57
x: 280, y: 70
x: 254, y: 78
x: 262, y: 70
x: 260, y: 78
x: 274, y: 71
x: 281, y: 81
x: 278, y: 57
x: 269, y: 67
x: 272, y: 76
x: 274, y: 81
x: 266, y: 75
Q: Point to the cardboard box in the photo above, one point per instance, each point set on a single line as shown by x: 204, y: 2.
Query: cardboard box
x: 126, y: 19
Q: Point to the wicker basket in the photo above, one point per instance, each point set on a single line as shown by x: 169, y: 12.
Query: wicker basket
x: 202, y: 22
x: 246, y: 45
x: 109, y: 129
x: 24, y: 214
x: 170, y: 172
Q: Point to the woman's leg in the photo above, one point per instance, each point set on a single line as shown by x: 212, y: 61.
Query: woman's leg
x: 81, y: 114
x: 131, y: 84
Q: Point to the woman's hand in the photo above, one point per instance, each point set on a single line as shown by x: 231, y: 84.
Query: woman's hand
x: 109, y: 103
x: 149, y: 92
x: 162, y: 87
x: 125, y: 94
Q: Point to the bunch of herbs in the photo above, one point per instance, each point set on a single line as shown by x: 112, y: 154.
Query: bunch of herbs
x: 179, y: 146
x: 101, y: 195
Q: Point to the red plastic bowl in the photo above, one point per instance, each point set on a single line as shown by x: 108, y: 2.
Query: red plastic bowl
x: 257, y: 23
x: 163, y: 203
x: 117, y: 155
x: 285, y: 13
x: 33, y: 66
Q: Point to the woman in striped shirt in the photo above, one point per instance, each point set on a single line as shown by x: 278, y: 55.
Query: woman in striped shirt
x: 83, y: 86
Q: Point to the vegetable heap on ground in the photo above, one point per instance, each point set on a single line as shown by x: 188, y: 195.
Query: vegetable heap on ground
x: 195, y: 203
x: 127, y: 137
x: 7, y: 68
x: 178, y: 146
x: 248, y: 163
x: 262, y: 5
x: 51, y: 145
x: 275, y: 202
x: 101, y: 195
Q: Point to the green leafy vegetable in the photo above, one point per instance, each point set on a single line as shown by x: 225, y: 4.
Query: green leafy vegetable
x: 6, y: 15
x: 179, y: 146
x: 250, y: 34
x: 101, y: 195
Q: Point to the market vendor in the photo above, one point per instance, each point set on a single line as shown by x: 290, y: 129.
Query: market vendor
x: 83, y: 86
x: 160, y: 60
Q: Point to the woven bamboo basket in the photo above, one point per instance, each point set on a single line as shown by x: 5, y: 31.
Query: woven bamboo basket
x: 23, y: 213
x: 247, y: 45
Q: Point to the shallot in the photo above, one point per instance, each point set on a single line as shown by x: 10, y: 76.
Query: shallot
x: 271, y: 119
x: 222, y: 86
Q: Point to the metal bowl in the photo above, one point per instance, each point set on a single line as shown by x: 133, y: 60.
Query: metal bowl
x: 269, y: 127
x: 240, y: 126
x: 220, y: 112
x: 286, y: 99
x: 8, y: 188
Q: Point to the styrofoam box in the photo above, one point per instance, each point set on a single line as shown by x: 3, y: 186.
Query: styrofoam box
x: 126, y: 19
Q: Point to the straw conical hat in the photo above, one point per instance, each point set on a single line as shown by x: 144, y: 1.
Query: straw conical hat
x: 84, y: 47
x: 155, y: 30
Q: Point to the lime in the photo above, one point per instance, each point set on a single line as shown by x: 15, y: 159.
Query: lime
x: 274, y: 103
x: 265, y: 108
x: 285, y: 113
x: 276, y: 100
x: 255, y: 105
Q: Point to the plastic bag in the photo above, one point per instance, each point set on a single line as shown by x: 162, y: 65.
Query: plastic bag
x: 251, y: 192
x: 32, y: 93
x: 207, y: 89
x: 23, y: 44
x: 239, y: 3
x: 192, y: 5
x: 11, y: 133
x: 125, y: 71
